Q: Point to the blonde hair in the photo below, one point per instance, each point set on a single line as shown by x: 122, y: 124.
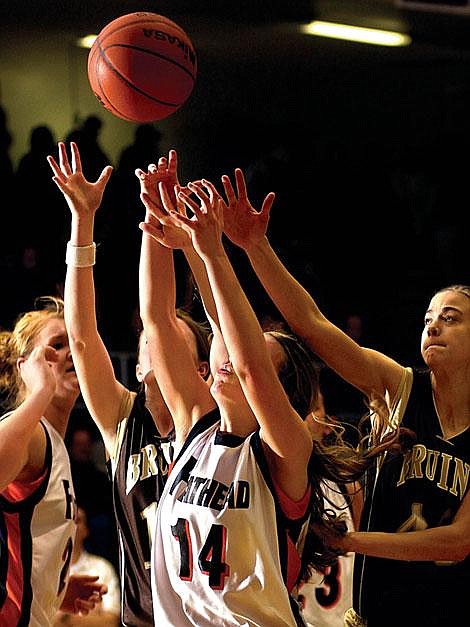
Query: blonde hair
x: 20, y: 342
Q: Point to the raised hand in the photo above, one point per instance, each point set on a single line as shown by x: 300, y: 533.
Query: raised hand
x: 206, y: 225
x: 165, y: 173
x: 81, y: 195
x: 36, y: 371
x: 243, y: 225
x: 160, y: 225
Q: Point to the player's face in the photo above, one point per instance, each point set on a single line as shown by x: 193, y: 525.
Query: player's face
x: 445, y: 341
x: 54, y: 334
x: 226, y: 380
x: 144, y: 366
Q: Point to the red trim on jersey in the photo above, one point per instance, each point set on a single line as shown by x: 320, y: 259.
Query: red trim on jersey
x: 19, y: 490
x: 293, y: 510
x: 11, y: 610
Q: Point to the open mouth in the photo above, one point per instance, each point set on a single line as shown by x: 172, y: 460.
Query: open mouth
x: 225, y: 369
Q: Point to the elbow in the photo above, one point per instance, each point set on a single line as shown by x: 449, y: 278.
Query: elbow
x: 77, y: 345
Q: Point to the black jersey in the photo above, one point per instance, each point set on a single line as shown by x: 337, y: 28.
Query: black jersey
x: 422, y: 488
x: 139, y: 470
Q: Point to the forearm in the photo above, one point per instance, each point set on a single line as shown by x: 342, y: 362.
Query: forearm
x: 446, y: 543
x: 234, y: 311
x: 157, y: 284
x: 292, y: 300
x: 340, y: 352
x: 79, y: 296
x: 199, y: 272
x: 184, y: 391
x: 16, y: 432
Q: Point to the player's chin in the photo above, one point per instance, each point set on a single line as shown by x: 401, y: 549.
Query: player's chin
x: 431, y: 356
x: 72, y: 382
x: 219, y: 387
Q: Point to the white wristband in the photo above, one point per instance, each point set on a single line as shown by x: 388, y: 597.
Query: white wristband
x: 80, y: 256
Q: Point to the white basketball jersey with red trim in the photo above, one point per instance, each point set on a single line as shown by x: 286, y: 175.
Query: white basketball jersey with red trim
x: 219, y: 553
x: 39, y: 530
x: 326, y: 598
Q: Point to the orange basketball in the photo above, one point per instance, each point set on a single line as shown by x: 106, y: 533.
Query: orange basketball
x: 142, y: 67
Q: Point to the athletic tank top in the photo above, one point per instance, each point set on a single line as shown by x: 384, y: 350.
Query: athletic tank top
x: 139, y: 469
x: 37, y: 531
x: 420, y: 489
x: 222, y: 544
x: 325, y: 598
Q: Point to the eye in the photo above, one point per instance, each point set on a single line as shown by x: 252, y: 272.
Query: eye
x: 57, y: 345
x: 448, y: 318
x: 427, y: 320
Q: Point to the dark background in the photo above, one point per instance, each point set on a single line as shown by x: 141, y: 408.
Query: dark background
x: 366, y: 147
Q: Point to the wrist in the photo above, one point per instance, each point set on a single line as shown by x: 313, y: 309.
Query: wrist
x: 80, y: 256
x: 257, y: 247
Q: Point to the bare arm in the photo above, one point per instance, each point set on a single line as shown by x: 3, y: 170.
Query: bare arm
x: 22, y: 441
x: 101, y: 390
x: 185, y: 392
x: 365, y: 369
x: 283, y: 431
x: 445, y: 543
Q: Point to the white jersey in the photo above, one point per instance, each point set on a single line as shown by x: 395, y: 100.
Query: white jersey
x: 37, y: 525
x: 222, y: 545
x: 325, y: 598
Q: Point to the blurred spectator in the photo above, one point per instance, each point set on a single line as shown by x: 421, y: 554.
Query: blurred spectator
x: 106, y: 613
x: 145, y: 149
x: 87, y: 136
x: 117, y: 313
x: 39, y: 215
x: 6, y: 165
x: 93, y: 492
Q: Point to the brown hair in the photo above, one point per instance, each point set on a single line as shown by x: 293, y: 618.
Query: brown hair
x: 462, y: 289
x: 200, y: 331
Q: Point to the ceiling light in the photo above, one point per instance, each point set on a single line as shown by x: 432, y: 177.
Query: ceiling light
x: 86, y: 42
x: 356, y: 33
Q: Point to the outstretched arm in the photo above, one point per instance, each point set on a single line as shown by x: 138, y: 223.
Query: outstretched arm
x: 101, y: 390
x: 282, y: 430
x: 444, y: 543
x: 185, y: 392
x: 366, y: 369
x: 22, y: 443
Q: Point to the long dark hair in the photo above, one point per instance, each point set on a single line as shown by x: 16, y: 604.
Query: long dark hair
x: 334, y: 460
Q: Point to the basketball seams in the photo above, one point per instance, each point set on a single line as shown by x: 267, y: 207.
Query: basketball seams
x: 151, y: 52
x: 114, y: 89
x: 151, y: 24
x: 117, y: 73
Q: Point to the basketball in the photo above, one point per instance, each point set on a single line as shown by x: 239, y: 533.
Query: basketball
x: 142, y: 67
